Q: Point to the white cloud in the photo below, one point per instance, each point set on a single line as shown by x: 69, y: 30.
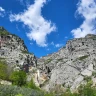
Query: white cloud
x: 2, y: 11
x: 52, y: 43
x: 31, y: 43
x: 87, y: 9
x: 38, y: 25
x: 58, y: 45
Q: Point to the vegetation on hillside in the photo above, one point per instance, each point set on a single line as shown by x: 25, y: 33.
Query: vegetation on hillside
x: 48, y: 61
x: 18, y: 78
x: 18, y: 91
x: 83, y: 57
x: 4, y: 32
x: 3, y: 70
x: 32, y: 85
x: 23, y: 88
x: 86, y: 90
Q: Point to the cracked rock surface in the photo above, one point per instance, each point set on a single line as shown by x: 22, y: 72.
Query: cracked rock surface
x: 68, y: 67
x: 71, y: 64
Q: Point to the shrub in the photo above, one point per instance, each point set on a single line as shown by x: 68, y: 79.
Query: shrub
x: 18, y: 91
x: 86, y: 78
x: 87, y: 90
x: 3, y: 70
x: 48, y: 61
x: 24, y: 51
x: 18, y: 78
x: 61, y: 59
x: 19, y: 95
x: 4, y: 33
x: 49, y: 94
x: 32, y: 85
x: 83, y: 57
x: 94, y: 74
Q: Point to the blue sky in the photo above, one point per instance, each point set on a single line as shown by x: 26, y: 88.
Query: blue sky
x: 46, y: 25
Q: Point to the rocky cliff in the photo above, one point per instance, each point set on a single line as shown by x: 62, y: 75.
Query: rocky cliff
x: 71, y: 66
x: 14, y: 52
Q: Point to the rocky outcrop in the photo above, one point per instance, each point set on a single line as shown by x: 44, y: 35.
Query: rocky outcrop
x: 67, y: 68
x: 71, y: 64
x: 4, y: 82
x: 14, y: 52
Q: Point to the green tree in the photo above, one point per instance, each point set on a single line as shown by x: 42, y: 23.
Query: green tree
x: 18, y: 78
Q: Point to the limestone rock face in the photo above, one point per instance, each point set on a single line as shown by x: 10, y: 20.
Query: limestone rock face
x: 66, y: 68
x: 71, y: 64
x: 14, y: 51
x: 3, y: 82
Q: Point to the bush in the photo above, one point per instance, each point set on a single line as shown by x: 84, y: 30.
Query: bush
x: 19, y: 95
x: 18, y: 78
x: 32, y: 85
x: 86, y: 78
x: 49, y: 94
x: 4, y: 33
x: 48, y: 61
x: 83, y: 57
x: 18, y: 91
x: 87, y: 90
x: 94, y: 74
x: 3, y: 70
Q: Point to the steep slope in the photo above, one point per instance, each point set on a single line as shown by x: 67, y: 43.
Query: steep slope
x: 71, y: 64
x: 14, y: 52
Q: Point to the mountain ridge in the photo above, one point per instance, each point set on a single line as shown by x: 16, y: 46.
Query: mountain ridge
x: 66, y: 68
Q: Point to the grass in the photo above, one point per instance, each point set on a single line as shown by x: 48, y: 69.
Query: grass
x: 86, y: 78
x: 44, y: 83
x: 2, y: 58
x: 25, y: 52
x: 83, y: 90
x: 48, y: 61
x: 18, y: 91
x: 94, y: 74
x: 61, y: 59
x: 83, y: 57
x: 4, y: 33
x: 3, y: 70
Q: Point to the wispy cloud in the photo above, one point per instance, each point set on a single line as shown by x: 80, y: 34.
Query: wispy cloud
x: 1, y: 9
x: 87, y: 10
x: 58, y: 45
x: 2, y: 12
x: 31, y: 43
x: 39, y: 27
x: 24, y: 2
x: 52, y: 43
